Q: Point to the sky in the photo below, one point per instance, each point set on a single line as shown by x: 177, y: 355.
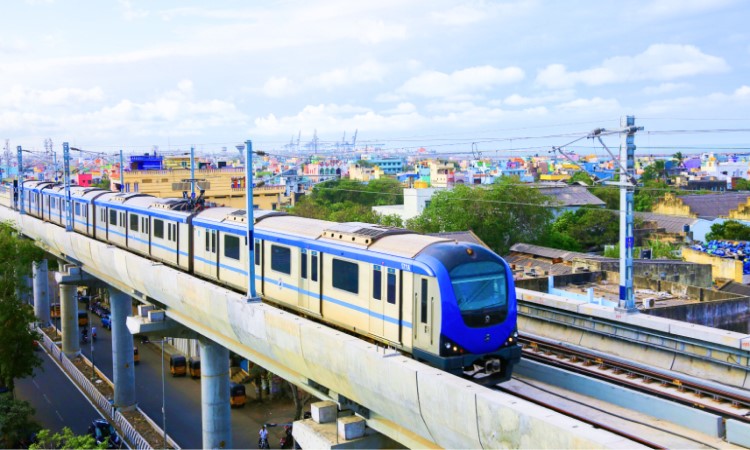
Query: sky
x: 498, y: 77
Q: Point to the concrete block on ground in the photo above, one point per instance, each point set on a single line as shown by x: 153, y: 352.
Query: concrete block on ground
x: 351, y: 427
x: 324, y: 412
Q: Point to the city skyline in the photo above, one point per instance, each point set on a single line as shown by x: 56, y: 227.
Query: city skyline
x: 515, y: 76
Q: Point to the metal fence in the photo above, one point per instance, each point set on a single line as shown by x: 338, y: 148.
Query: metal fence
x: 128, y: 432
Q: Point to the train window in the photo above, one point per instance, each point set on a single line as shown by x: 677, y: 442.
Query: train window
x: 281, y: 259
x: 104, y: 215
x: 377, y: 283
x: 232, y: 247
x: 423, y: 307
x: 213, y: 241
x: 303, y: 263
x: 112, y: 217
x: 208, y: 240
x: 159, y: 228
x: 78, y: 209
x: 122, y: 219
x: 346, y: 276
x: 391, y: 286
x: 133, y: 222
x: 169, y: 231
x: 314, y: 267
x: 257, y: 252
x: 53, y: 202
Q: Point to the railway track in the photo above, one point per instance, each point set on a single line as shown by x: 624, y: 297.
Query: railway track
x: 710, y: 398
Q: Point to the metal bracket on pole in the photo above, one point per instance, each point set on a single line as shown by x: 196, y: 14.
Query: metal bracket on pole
x: 66, y: 178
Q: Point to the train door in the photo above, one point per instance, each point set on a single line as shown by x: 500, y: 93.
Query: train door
x: 377, y: 299
x: 313, y: 286
x: 259, y: 267
x: 309, y: 284
x: 210, y: 255
x: 392, y: 305
x: 303, y: 294
x: 422, y: 312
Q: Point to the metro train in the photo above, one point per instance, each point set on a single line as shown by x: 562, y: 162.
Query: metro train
x: 446, y: 303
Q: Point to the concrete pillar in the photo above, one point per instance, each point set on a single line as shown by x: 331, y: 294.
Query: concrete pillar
x: 71, y: 344
x: 41, y: 292
x: 215, y: 410
x: 122, y: 351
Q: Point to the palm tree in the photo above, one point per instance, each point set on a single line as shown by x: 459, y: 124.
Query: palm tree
x: 679, y: 157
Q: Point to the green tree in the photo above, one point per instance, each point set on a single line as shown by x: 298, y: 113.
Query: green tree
x: 45, y: 439
x: 609, y: 195
x: 741, y: 184
x: 501, y: 214
x: 679, y: 158
x: 591, y: 228
x: 104, y: 183
x: 17, y: 356
x: 391, y: 220
x: 730, y: 230
x: 651, y: 191
x: 348, y: 200
x: 581, y: 176
x: 16, y: 422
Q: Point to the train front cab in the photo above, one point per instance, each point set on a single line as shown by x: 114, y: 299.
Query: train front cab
x: 466, y: 316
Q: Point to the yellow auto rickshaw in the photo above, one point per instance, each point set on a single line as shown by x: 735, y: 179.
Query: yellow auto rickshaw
x: 136, y: 356
x: 194, y: 367
x: 177, y: 365
x: 237, y: 396
x: 83, y: 318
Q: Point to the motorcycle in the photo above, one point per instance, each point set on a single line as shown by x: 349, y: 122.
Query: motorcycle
x: 263, y: 443
x: 84, y: 337
x: 286, y: 439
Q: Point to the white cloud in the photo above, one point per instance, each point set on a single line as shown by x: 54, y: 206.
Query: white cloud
x: 459, y: 15
x: 131, y: 13
x: 366, y: 72
x: 520, y: 100
x: 278, y: 87
x: 20, y: 97
x: 461, y: 82
x: 662, y: 9
x: 665, y: 88
x: 590, y: 105
x: 658, y: 62
x: 717, y: 103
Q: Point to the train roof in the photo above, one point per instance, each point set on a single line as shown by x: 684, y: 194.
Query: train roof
x: 390, y: 240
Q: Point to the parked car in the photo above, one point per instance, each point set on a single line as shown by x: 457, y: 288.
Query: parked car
x: 107, y: 322
x: 103, y: 431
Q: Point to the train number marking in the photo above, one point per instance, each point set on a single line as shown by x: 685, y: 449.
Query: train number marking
x: 405, y: 266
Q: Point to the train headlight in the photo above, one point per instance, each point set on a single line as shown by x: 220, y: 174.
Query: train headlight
x: 447, y: 345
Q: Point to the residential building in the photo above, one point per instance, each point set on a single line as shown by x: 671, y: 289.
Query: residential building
x: 415, y: 201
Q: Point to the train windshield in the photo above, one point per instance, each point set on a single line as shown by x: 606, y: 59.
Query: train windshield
x: 481, y: 290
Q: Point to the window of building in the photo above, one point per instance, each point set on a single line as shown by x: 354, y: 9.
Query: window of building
x: 135, y: 187
x: 345, y: 276
x: 303, y: 264
x: 281, y: 259
x: 377, y: 283
x: 391, y: 293
x: 134, y: 222
x: 159, y: 228
x: 232, y: 246
x: 112, y: 217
